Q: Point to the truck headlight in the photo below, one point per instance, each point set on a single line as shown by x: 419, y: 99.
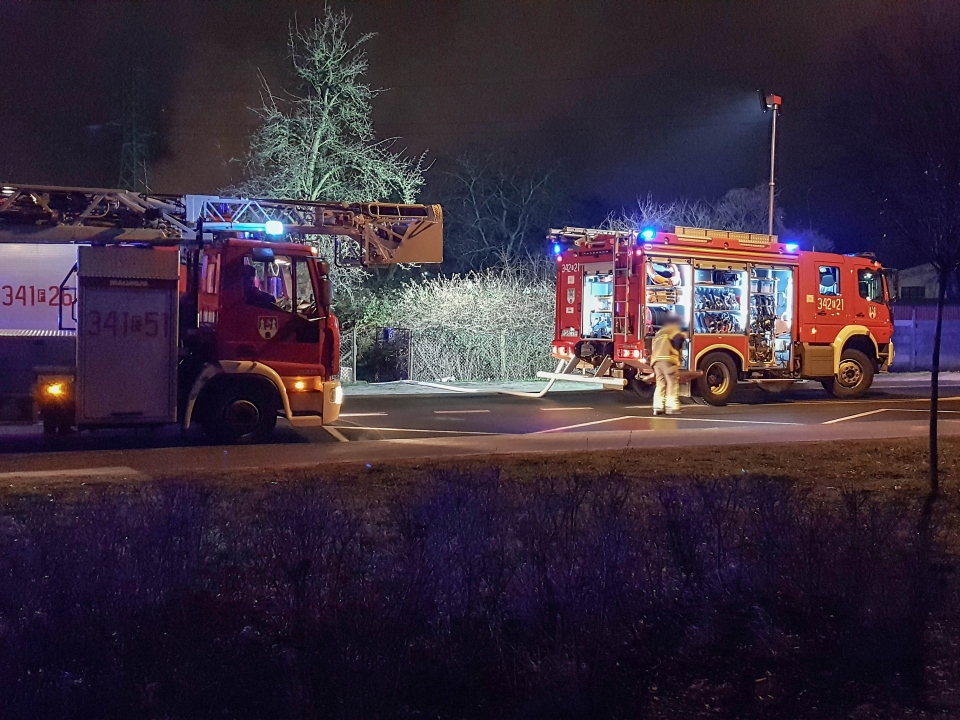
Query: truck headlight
x: 53, y: 389
x: 338, y: 395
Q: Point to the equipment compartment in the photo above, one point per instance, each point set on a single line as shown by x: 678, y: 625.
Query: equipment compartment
x: 598, y: 305
x: 718, y: 302
x: 771, y: 317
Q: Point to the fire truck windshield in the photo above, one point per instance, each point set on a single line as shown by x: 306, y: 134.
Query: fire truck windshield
x: 269, y: 283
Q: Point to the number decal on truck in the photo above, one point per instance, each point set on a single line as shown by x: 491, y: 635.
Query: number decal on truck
x: 570, y: 267
x: 122, y: 324
x: 829, y: 303
x: 31, y: 296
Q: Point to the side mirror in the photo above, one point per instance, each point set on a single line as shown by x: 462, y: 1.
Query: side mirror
x: 891, y: 280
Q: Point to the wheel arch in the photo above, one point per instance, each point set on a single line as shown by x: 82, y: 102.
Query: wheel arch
x: 735, y: 355
x: 214, y: 376
x: 856, y: 337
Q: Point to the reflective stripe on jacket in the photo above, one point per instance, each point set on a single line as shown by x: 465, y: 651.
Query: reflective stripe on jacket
x: 663, y: 349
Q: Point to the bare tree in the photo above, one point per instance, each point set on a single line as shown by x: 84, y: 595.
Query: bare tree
x: 497, y: 209
x: 914, y: 130
x: 808, y: 239
x: 742, y: 209
x: 317, y: 142
x: 747, y: 210
x: 662, y: 215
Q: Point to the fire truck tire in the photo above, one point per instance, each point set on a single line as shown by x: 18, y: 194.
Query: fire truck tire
x: 855, y: 376
x: 636, y: 386
x: 241, y: 412
x: 718, y: 379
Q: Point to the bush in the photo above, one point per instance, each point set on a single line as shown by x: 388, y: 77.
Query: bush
x: 490, y: 325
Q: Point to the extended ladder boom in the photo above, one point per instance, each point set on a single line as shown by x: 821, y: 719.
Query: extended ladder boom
x: 386, y: 233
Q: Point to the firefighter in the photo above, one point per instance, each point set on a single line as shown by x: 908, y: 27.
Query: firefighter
x: 665, y: 358
x: 253, y: 295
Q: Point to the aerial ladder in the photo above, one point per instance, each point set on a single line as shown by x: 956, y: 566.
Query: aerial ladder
x: 385, y: 233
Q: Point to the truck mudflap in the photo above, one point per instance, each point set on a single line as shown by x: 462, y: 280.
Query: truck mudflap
x: 331, y: 390
x: 887, y: 361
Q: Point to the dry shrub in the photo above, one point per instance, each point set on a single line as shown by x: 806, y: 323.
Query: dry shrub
x: 491, y: 325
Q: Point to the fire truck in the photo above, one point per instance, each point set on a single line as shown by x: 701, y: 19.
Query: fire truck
x: 756, y: 310
x: 194, y: 309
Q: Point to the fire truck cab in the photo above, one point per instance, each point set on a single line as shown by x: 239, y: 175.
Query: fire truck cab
x: 755, y: 310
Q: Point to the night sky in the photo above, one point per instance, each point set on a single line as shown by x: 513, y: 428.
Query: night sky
x: 629, y: 97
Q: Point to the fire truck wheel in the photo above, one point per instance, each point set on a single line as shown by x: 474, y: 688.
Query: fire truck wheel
x: 718, y: 379
x: 854, y: 378
x: 636, y: 386
x: 242, y: 413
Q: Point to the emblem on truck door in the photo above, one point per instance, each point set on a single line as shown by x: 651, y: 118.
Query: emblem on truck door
x: 872, y: 312
x: 267, y: 326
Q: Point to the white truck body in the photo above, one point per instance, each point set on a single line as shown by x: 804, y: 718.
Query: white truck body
x: 30, y: 278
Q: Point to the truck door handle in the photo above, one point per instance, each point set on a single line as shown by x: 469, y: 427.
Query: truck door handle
x: 860, y: 315
x: 822, y: 312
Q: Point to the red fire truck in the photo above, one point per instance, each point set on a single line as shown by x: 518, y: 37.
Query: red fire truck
x: 757, y: 310
x: 190, y: 309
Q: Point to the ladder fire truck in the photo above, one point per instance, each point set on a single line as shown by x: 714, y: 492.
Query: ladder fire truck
x: 191, y: 309
x: 756, y: 310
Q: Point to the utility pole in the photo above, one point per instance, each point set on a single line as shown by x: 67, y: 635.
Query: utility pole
x: 772, y: 102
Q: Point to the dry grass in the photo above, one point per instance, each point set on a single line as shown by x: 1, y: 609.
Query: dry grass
x: 729, y: 581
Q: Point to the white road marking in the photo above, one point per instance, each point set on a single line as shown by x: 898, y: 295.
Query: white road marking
x: 853, y: 417
x: 671, y: 417
x: 585, y: 424
x: 950, y: 412
x: 862, y: 401
x: 883, y: 410
x: 457, y: 412
x: 337, y: 435
x: 686, y: 408
x: 415, y: 430
x: 377, y: 414
x: 565, y: 408
x: 741, y: 422
x: 76, y: 473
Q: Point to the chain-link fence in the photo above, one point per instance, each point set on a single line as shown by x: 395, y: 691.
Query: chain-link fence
x: 491, y: 325
x: 386, y: 354
x: 443, y: 354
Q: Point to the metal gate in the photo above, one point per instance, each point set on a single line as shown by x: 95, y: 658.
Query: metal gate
x: 375, y: 355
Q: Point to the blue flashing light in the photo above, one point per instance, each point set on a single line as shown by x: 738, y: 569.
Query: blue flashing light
x: 273, y: 227
x: 792, y: 247
x: 648, y: 233
x: 557, y: 249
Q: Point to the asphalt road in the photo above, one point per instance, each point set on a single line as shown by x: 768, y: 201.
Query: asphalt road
x: 383, y: 428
